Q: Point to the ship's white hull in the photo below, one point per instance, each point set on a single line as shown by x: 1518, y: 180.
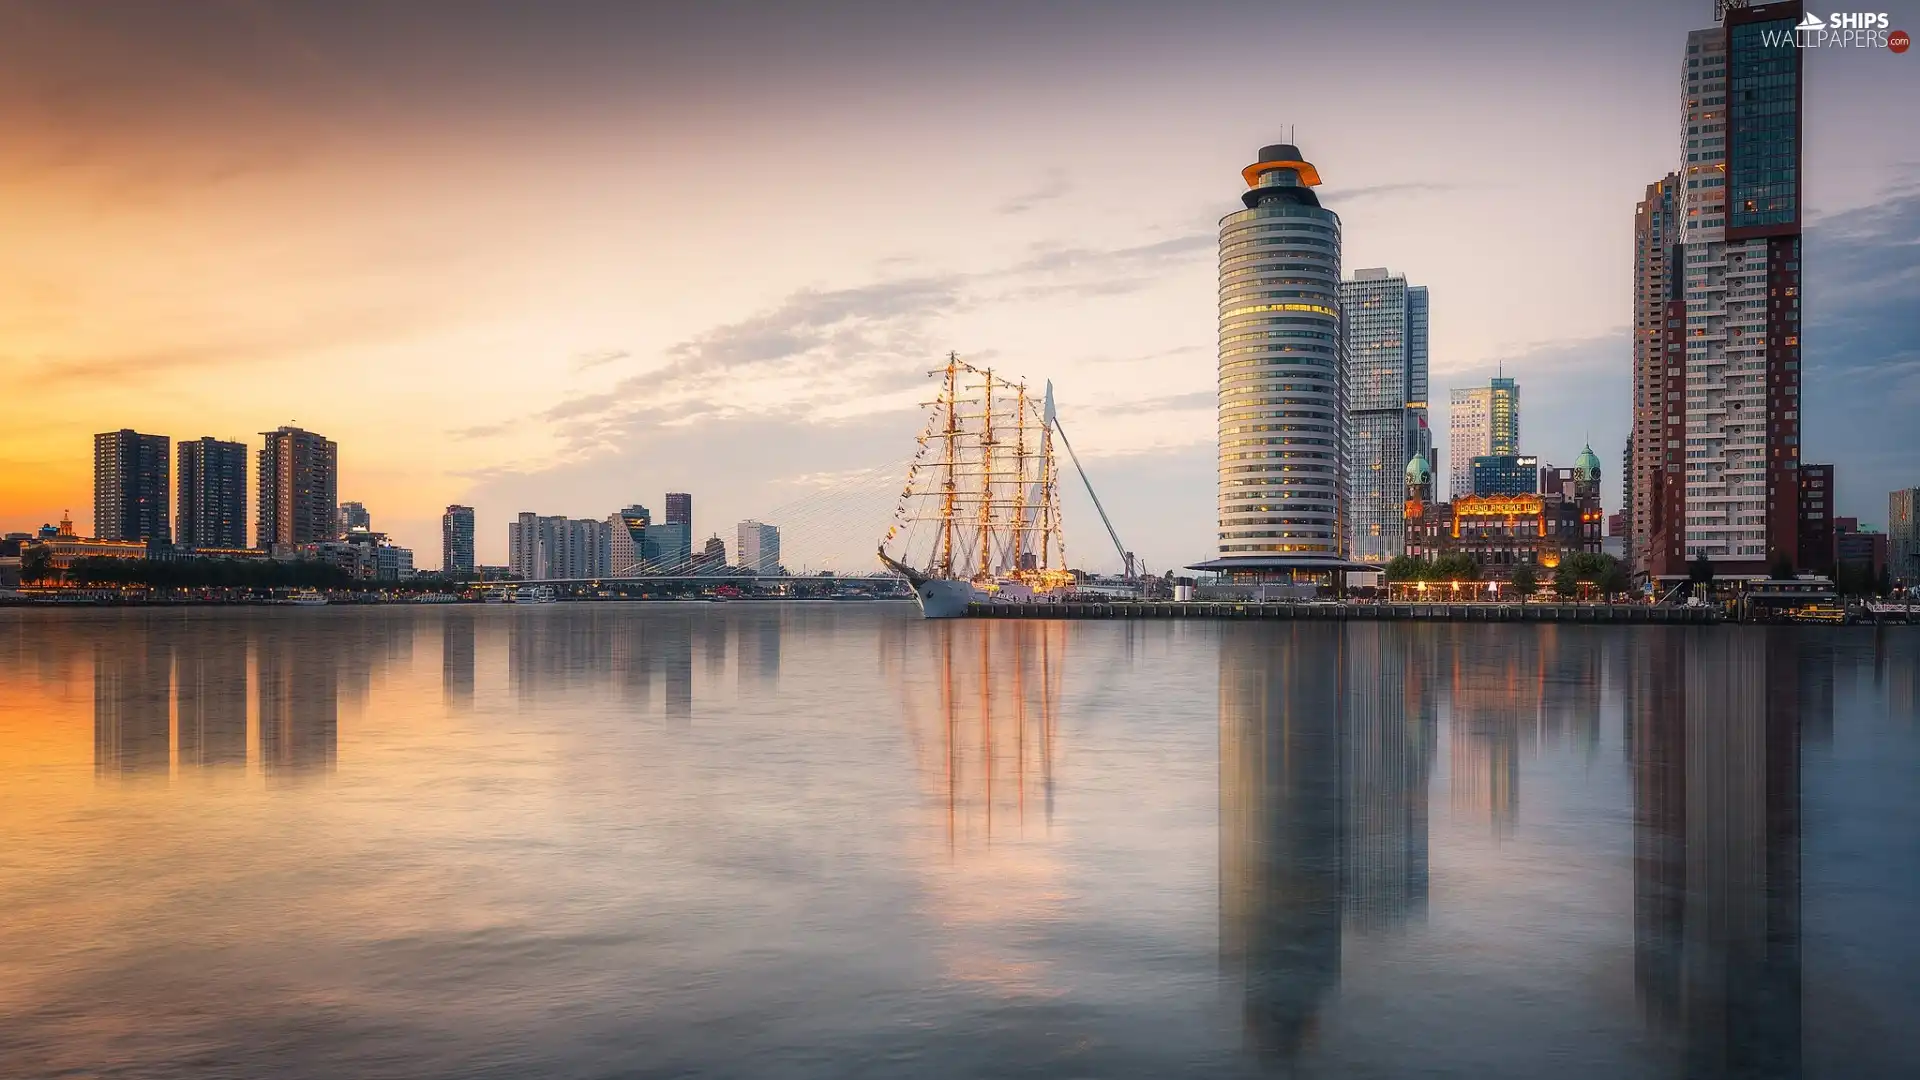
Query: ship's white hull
x: 945, y: 598
x: 948, y: 598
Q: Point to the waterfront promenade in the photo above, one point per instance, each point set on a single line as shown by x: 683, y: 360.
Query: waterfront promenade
x: 1203, y: 609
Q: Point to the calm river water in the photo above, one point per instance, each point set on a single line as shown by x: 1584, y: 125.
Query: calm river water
x: 833, y: 840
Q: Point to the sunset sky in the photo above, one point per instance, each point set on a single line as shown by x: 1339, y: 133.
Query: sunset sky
x: 565, y: 256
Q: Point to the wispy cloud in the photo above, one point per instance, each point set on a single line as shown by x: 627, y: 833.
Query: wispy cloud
x: 1385, y: 191
x: 310, y: 334
x: 587, y: 361
x: 1198, y: 399
x: 481, y: 431
x: 1055, y: 186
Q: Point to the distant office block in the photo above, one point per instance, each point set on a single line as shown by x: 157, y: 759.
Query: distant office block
x: 757, y: 547
x: 1506, y: 474
x: 1903, y: 533
x: 667, y: 548
x: 628, y: 526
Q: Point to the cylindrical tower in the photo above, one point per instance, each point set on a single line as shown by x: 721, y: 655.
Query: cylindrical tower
x: 1283, y: 391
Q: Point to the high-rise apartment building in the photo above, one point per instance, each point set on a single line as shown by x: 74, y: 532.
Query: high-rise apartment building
x: 556, y: 548
x: 584, y: 551
x: 1740, y: 227
x: 680, y: 509
x: 1654, y: 462
x: 130, y: 497
x: 523, y: 546
x: 211, y: 496
x: 456, y: 540
x: 298, y: 486
x: 354, y: 518
x: 1385, y: 322
x: 1815, y: 543
x: 1283, y: 376
x: 1469, y: 435
x: 757, y: 547
x: 1903, y: 534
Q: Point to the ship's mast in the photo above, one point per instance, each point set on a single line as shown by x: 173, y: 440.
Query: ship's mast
x: 1011, y: 522
x: 950, y: 400
x: 986, y: 476
x: 1018, y: 555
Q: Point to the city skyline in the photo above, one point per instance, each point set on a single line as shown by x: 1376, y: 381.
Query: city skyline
x: 276, y: 258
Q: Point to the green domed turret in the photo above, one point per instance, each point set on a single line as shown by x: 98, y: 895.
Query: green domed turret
x: 1587, y: 465
x: 1419, y: 473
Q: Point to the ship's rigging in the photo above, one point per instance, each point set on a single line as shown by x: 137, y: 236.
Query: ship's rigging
x: 982, y: 498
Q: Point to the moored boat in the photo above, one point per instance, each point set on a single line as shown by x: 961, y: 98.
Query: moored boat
x: 979, y: 520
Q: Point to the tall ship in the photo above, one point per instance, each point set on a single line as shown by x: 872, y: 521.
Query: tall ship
x: 979, y: 519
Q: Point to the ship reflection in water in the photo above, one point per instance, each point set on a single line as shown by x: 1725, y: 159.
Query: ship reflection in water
x: 825, y: 840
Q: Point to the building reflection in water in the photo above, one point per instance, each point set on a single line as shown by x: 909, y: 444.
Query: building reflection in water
x: 1898, y: 679
x: 1326, y: 748
x: 457, y: 657
x: 210, y: 696
x: 132, y: 673
x: 1716, y: 719
x: 632, y: 648
x: 758, y: 650
x: 1507, y: 697
x: 676, y: 658
x: 1390, y: 729
x: 1492, y: 704
x: 167, y: 684
x: 299, y: 703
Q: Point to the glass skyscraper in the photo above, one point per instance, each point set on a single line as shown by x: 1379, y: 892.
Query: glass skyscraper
x: 1283, y: 378
x: 1503, y: 417
x: 1385, y: 322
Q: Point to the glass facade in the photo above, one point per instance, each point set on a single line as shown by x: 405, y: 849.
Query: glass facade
x: 1503, y: 417
x: 1506, y: 474
x: 1282, y: 378
x: 1763, y: 120
x: 1385, y: 323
